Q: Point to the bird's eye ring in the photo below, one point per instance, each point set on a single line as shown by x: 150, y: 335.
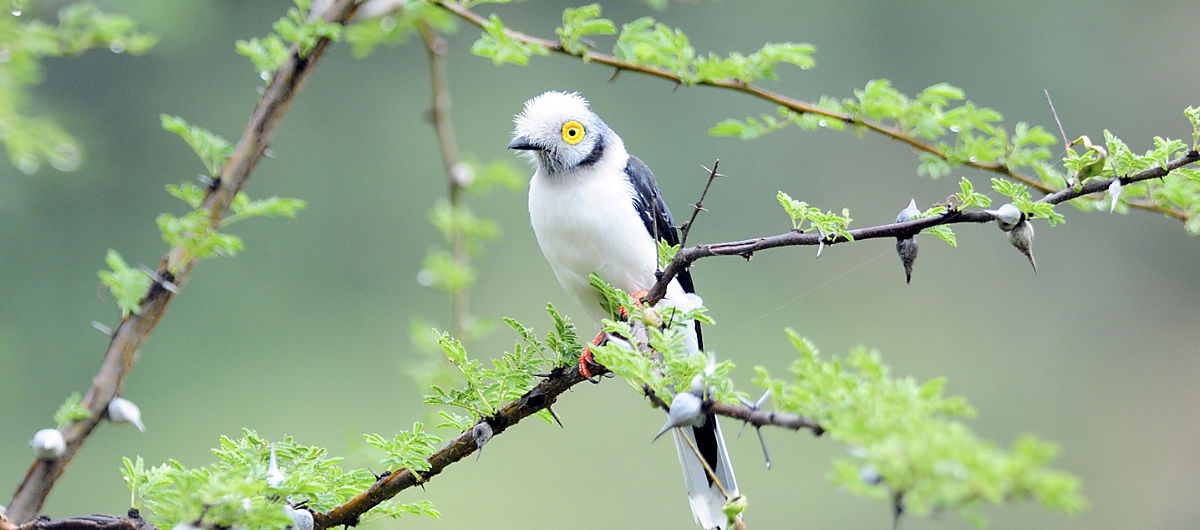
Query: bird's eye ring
x: 572, y: 132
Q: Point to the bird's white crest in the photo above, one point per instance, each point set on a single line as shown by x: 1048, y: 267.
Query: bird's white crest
x: 548, y: 111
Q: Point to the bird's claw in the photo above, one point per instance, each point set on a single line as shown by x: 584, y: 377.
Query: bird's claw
x: 637, y: 297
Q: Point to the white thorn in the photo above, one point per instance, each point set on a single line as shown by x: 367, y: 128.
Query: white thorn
x: 121, y: 410
x: 49, y: 444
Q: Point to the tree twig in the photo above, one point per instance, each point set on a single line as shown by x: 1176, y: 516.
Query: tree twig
x: 790, y: 103
x: 131, y: 334
x: 753, y: 416
x: 540, y: 397
x: 699, y: 206
x: 747, y: 247
x: 457, y: 176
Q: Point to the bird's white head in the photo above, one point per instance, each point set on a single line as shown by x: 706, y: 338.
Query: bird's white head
x: 561, y: 134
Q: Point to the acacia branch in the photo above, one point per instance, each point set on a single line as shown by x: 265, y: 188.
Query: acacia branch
x: 541, y: 396
x: 792, y: 104
x: 131, y: 334
x: 747, y: 247
x: 751, y: 415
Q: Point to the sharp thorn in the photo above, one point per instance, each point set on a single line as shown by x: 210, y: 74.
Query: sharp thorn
x: 555, y: 416
x: 102, y: 328
x: 763, y: 441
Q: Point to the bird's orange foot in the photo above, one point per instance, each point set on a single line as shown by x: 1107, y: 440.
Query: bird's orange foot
x: 637, y: 297
x: 586, y: 360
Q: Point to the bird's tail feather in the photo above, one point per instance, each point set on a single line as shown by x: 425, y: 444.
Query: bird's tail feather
x: 704, y: 496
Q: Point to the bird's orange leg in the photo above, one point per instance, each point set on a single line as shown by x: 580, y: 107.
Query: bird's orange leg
x: 586, y: 358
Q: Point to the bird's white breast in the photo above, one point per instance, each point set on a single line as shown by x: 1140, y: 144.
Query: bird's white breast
x: 586, y: 222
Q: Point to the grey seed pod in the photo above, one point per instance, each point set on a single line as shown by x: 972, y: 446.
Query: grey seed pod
x: 121, y: 410
x: 302, y: 519
x: 907, y: 247
x: 685, y: 410
x: 482, y: 433
x: 49, y: 444
x: 1022, y: 238
x: 1007, y: 216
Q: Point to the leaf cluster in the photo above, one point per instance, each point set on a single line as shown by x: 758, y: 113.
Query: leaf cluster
x: 908, y: 443
x: 71, y: 411
x: 127, y: 284
x: 33, y: 140
x: 234, y: 491
x: 296, y: 29
x: 650, y: 346
x: 828, y: 224
x: 1180, y: 192
x: 510, y: 375
x: 396, y: 28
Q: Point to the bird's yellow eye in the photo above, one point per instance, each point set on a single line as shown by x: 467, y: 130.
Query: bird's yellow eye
x: 572, y: 132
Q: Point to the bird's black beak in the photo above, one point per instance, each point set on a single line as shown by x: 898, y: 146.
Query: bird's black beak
x: 523, y: 143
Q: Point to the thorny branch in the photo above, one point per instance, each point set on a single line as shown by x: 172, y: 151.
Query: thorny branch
x: 747, y: 247
x: 751, y: 415
x: 542, y: 396
x: 131, y: 334
x: 795, y: 105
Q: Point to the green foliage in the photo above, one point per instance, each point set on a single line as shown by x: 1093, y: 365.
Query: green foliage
x: 127, y: 284
x: 944, y: 233
x: 71, y: 411
x: 293, y: 30
x: 1021, y: 199
x: 211, y: 148
x: 395, y: 28
x: 194, y: 232
x: 406, y: 450
x: 658, y: 358
x: 460, y: 221
x: 580, y: 22
x: 510, y: 376
x: 666, y: 252
x: 908, y: 441
x: 244, y: 208
x: 649, y: 43
x: 502, y: 48
x: 828, y: 224
x: 969, y: 197
x: 33, y: 140
x: 234, y: 491
x: 1193, y: 116
x: 1179, y: 192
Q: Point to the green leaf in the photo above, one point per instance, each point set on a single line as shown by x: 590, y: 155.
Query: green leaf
x: 501, y: 48
x: 212, y: 149
x: 406, y: 450
x: 579, y: 22
x: 666, y: 253
x: 944, y: 233
x: 969, y: 197
x: 194, y: 233
x: 188, y: 193
x: 244, y: 208
x: 71, y: 411
x: 127, y: 284
x: 1193, y: 116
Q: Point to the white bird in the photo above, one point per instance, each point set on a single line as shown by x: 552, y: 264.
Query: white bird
x: 596, y: 208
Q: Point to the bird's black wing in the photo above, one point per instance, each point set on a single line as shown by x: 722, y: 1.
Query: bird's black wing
x: 648, y: 202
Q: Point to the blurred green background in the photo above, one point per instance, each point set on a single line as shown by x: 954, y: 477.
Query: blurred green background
x: 306, y: 333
